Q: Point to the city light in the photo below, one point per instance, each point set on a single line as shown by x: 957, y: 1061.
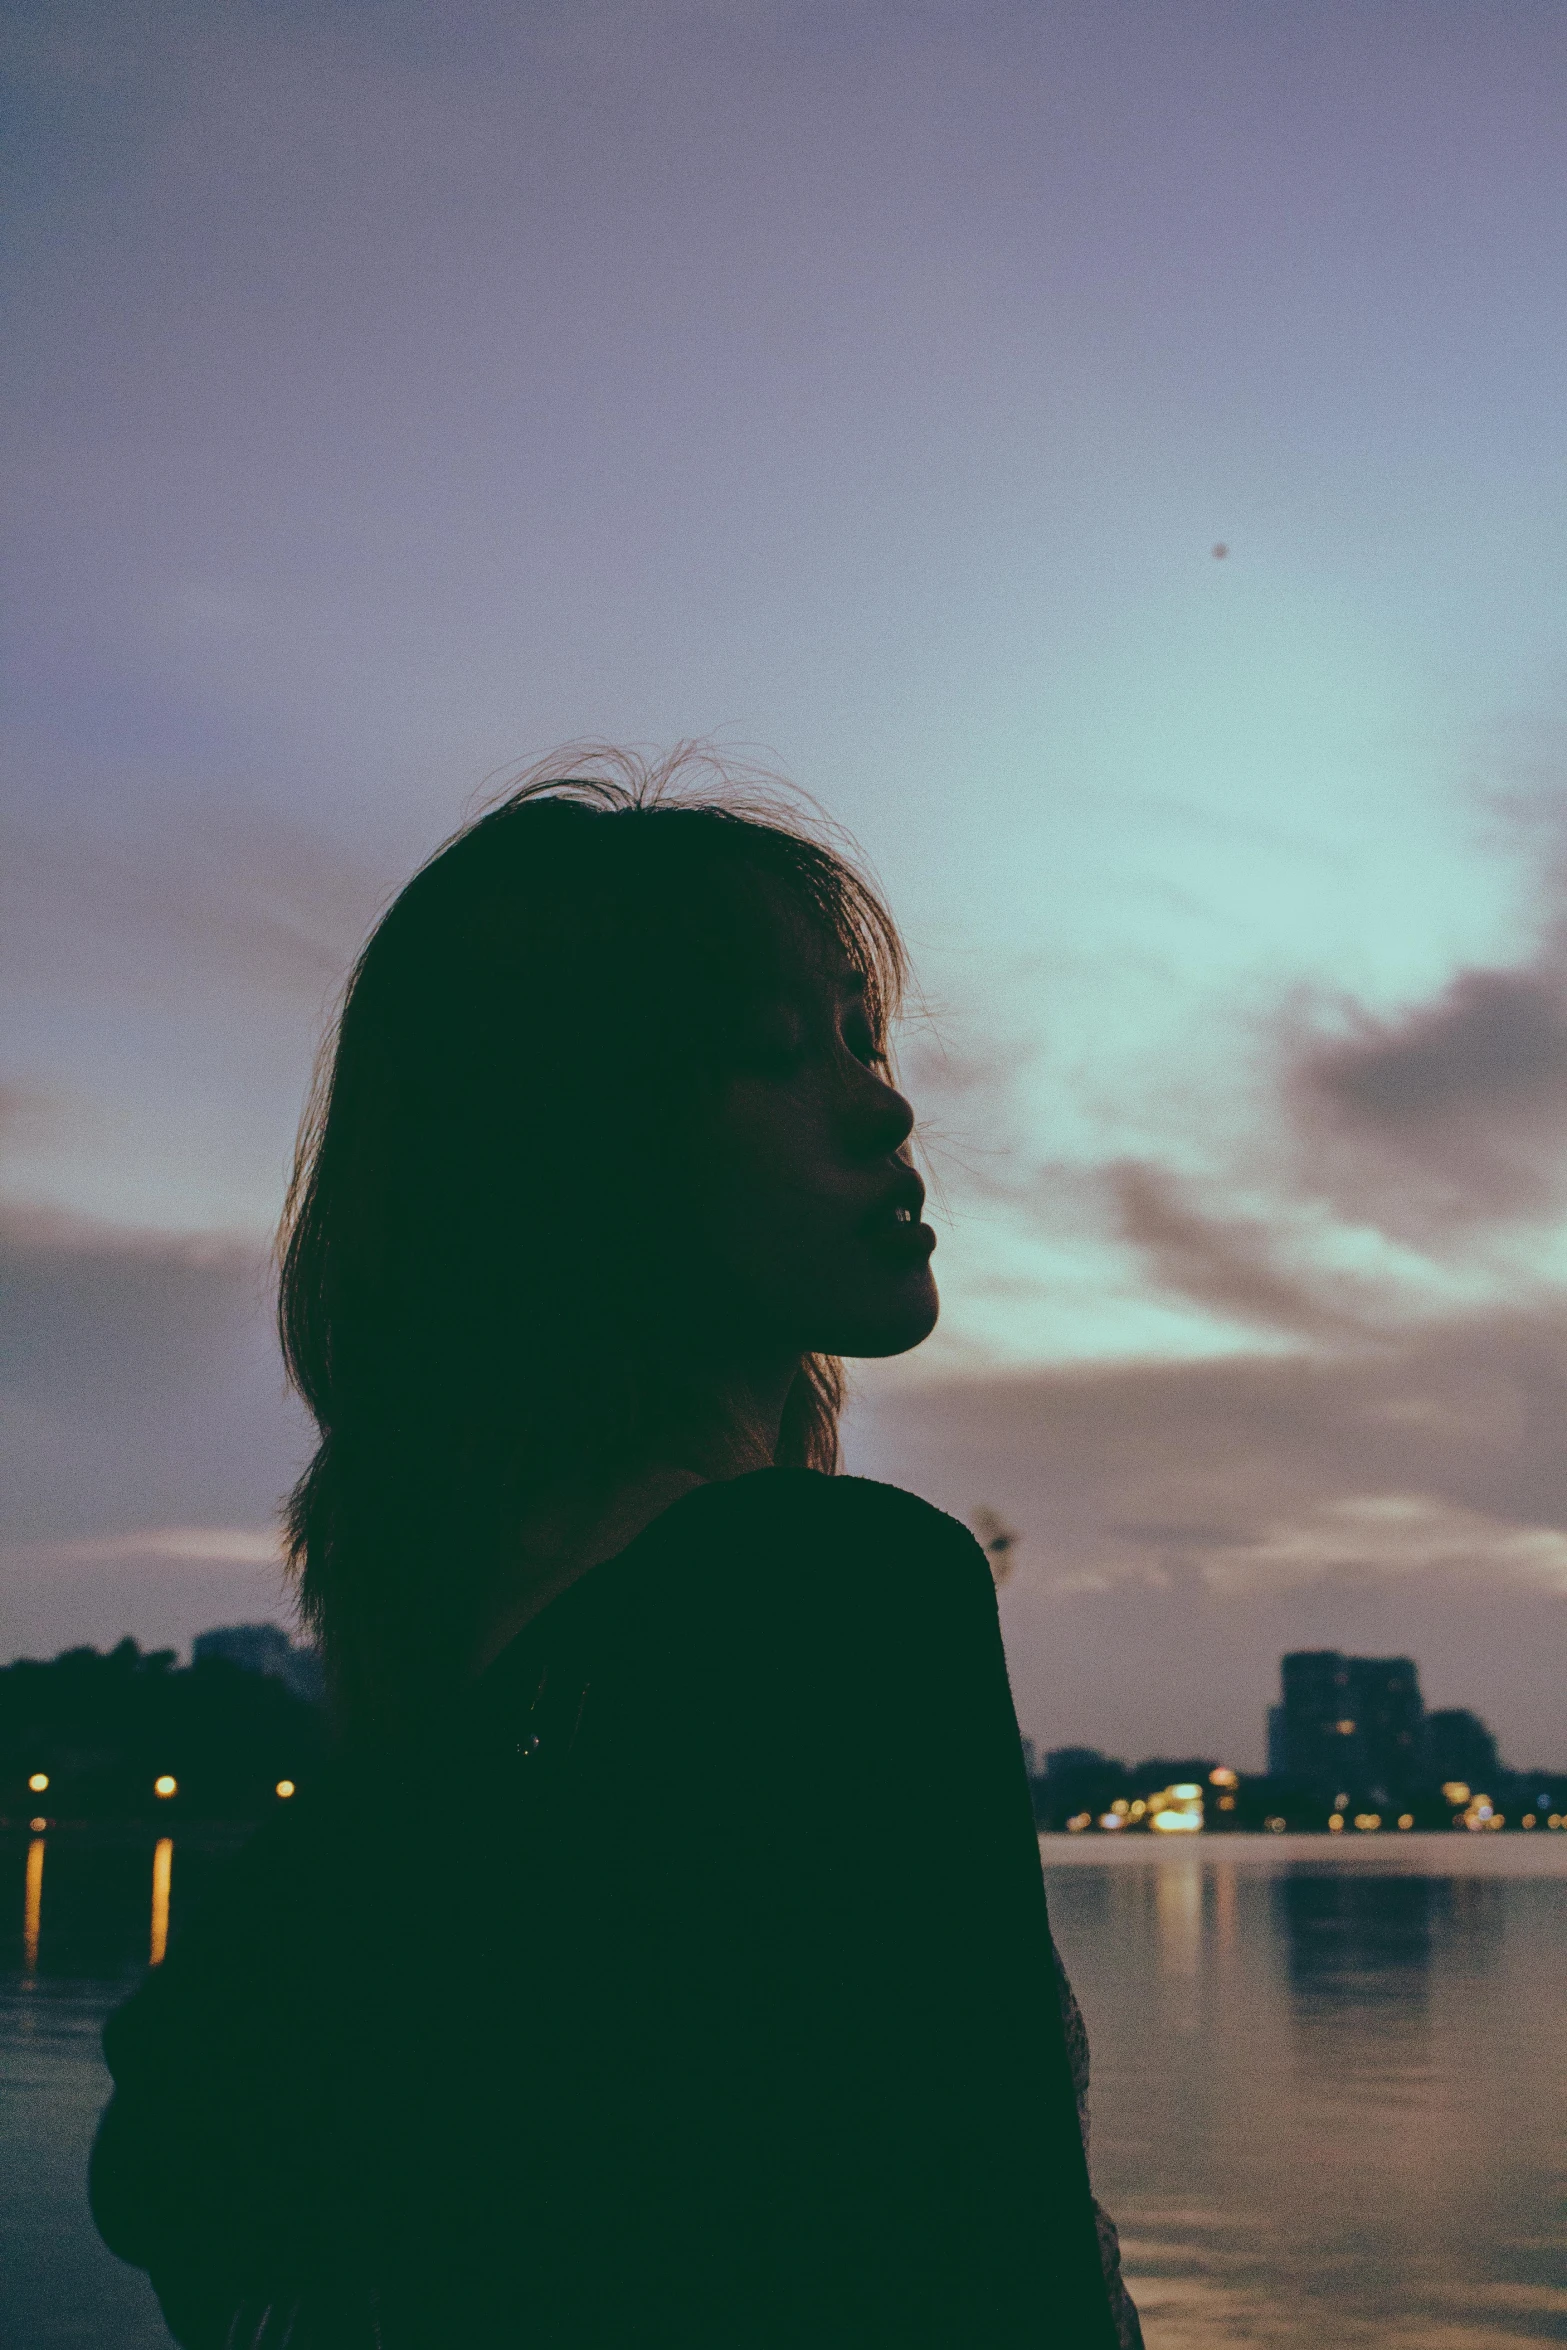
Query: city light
x: 1406, y: 1819
x: 1223, y: 1776
x: 285, y: 1787
x: 165, y: 1786
x: 1112, y: 1820
x: 1368, y: 1822
x: 1336, y: 1821
x: 1177, y: 1811
x: 38, y: 1782
x: 1275, y: 1825
x: 1455, y: 1791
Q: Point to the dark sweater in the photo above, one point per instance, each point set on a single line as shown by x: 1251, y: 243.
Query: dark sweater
x: 689, y: 1984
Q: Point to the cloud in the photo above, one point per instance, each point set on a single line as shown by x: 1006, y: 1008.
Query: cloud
x: 145, y: 1435
x: 1228, y: 1262
x: 206, y: 1546
x: 1451, y: 1116
x: 140, y: 1383
x: 1392, y: 1534
x: 159, y: 1585
x: 1183, y: 1523
x: 249, y: 902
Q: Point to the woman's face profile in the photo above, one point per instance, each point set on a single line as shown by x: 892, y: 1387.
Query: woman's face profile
x: 812, y: 1209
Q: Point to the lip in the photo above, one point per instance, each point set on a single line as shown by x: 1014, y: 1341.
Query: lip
x: 905, y: 1243
x: 907, y: 1191
x: 909, y: 1243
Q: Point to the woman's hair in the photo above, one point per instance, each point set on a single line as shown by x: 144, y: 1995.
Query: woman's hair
x: 491, y: 1270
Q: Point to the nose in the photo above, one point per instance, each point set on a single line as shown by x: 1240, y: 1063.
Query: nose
x: 883, y: 1118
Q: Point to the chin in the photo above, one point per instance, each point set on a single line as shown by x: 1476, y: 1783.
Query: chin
x: 892, y: 1325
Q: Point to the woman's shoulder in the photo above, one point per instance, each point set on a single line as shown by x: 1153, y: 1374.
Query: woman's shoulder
x: 767, y: 1496
x: 798, y: 1547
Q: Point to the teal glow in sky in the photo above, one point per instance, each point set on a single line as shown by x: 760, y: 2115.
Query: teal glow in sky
x: 401, y: 392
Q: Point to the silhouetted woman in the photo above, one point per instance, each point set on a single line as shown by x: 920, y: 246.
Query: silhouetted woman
x: 663, y: 1960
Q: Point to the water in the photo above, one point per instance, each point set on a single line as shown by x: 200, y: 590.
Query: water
x: 1328, y: 2082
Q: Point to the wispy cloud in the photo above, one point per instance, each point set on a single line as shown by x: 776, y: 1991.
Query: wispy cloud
x: 1232, y: 1263
x: 1181, y: 1523
x: 140, y: 1385
x: 187, y: 1546
x: 1402, y: 1534
x: 1450, y: 1117
x: 188, y: 901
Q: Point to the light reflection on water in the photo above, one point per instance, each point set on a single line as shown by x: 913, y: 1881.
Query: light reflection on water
x: 1328, y: 2084
x: 162, y: 1876
x: 1328, y: 2091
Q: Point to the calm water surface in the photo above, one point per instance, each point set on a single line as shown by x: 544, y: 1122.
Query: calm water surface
x: 1328, y: 2082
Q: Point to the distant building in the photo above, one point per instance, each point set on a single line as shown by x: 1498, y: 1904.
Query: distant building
x: 1460, y: 1747
x: 1350, y: 1724
x: 263, y: 1648
x: 1278, y: 1747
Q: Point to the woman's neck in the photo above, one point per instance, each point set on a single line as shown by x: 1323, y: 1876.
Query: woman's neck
x: 563, y: 1537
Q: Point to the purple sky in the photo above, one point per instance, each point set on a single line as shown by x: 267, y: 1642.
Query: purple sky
x: 396, y: 392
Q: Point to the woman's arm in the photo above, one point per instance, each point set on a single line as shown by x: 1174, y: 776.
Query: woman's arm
x: 212, y: 2167
x: 870, y: 1874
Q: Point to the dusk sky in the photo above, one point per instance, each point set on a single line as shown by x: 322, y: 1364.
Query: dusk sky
x: 397, y: 392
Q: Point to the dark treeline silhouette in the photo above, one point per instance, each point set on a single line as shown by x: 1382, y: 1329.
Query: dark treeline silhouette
x: 103, y: 1730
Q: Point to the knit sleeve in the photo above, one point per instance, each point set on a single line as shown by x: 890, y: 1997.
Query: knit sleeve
x: 1123, y: 2308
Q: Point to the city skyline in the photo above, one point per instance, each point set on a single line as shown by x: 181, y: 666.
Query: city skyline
x: 243, y: 1727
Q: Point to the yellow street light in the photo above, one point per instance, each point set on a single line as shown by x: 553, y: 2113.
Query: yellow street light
x: 38, y: 1782
x: 165, y: 1786
x: 285, y: 1787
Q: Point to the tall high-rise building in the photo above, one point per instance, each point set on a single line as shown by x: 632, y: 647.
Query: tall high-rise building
x: 1278, y: 1744
x: 1350, y: 1724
